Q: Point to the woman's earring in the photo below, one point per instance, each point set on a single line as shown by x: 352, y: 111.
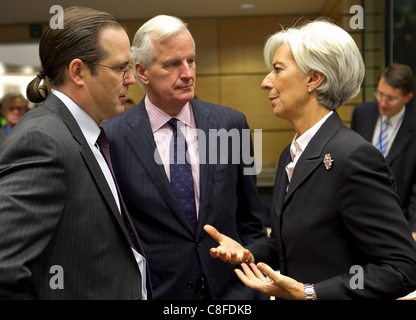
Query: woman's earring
x: 309, y: 90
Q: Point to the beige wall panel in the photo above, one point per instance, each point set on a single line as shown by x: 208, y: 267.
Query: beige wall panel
x: 208, y: 89
x: 136, y: 93
x: 205, y: 34
x: 242, y: 41
x: 244, y: 93
x: 273, y: 143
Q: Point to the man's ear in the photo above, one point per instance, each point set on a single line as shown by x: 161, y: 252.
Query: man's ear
x: 142, y: 72
x: 77, y: 71
x: 315, y: 79
x: 408, y: 97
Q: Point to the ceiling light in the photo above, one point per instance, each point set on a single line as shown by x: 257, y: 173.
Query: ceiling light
x: 247, y: 6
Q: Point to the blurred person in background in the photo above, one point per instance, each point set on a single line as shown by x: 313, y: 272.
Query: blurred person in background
x: 13, y: 107
x: 390, y: 125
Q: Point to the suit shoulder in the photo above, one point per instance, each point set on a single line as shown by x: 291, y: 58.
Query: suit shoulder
x: 366, y: 107
x: 225, y: 116
x: 40, y: 117
x: 217, y: 108
x: 346, y: 140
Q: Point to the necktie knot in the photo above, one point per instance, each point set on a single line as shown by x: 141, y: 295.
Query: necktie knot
x: 102, y: 139
x: 173, y: 123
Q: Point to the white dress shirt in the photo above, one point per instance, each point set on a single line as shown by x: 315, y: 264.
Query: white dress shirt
x: 299, y: 144
x: 163, y: 132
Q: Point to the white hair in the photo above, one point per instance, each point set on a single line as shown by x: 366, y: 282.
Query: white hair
x: 323, y: 46
x: 158, y: 29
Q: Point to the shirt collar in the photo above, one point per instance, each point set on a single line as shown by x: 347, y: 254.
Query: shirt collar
x: 394, y: 120
x: 159, y: 118
x: 88, y: 126
x: 305, y: 138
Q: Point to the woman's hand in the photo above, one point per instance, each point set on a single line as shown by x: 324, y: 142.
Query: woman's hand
x: 264, y: 279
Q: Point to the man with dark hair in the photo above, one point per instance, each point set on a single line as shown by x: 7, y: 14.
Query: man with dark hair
x: 391, y: 127
x: 13, y: 107
x: 64, y: 229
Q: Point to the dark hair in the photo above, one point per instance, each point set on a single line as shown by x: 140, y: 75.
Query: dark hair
x: 79, y: 39
x: 399, y: 76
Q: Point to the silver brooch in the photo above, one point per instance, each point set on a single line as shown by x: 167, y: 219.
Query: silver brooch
x: 328, y: 161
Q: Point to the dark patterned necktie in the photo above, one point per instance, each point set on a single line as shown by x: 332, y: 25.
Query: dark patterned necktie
x: 181, y: 174
x: 105, y: 150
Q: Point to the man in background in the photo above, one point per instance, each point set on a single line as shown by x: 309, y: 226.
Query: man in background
x: 13, y: 107
x: 391, y: 127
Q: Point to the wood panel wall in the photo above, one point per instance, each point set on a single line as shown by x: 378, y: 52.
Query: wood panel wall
x: 230, y: 67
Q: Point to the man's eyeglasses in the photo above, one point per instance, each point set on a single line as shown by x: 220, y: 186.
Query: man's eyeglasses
x: 117, y: 69
x: 380, y: 96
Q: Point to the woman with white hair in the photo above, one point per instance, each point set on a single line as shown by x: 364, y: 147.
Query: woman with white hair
x: 337, y: 228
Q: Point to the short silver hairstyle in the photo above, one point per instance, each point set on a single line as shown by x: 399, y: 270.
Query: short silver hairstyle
x: 325, y: 47
x: 158, y: 29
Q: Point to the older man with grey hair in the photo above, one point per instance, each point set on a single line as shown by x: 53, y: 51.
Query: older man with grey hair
x: 169, y: 206
x: 13, y: 107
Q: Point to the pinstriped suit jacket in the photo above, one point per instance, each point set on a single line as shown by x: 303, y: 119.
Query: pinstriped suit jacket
x: 3, y: 134
x: 56, y: 209
x: 229, y: 201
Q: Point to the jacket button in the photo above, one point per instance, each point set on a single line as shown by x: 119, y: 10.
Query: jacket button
x: 198, y: 243
x: 189, y: 285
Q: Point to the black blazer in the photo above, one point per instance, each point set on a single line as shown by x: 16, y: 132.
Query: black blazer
x: 331, y: 220
x: 228, y: 200
x: 402, y: 155
x: 56, y: 209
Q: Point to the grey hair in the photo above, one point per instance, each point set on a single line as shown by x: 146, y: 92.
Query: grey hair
x: 158, y: 29
x: 322, y: 46
x: 11, y: 96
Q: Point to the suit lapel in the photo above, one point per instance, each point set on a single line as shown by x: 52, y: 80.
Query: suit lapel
x: 312, y: 156
x: 404, y: 135
x: 56, y: 105
x: 141, y: 141
x: 204, y: 123
x: 371, y: 120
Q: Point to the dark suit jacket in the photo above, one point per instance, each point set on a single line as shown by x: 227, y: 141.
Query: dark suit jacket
x: 56, y: 209
x: 402, y: 155
x: 3, y: 134
x: 228, y: 200
x: 331, y: 220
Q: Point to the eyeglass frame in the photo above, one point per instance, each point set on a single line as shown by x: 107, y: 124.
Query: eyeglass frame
x: 130, y: 66
x: 379, y: 95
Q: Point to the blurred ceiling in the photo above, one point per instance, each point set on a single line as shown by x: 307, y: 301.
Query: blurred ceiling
x: 37, y: 11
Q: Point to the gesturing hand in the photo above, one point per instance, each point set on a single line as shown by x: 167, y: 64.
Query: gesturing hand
x: 229, y: 250
x: 267, y: 281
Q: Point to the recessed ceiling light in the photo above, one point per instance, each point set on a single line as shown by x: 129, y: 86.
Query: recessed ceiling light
x: 247, y: 6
